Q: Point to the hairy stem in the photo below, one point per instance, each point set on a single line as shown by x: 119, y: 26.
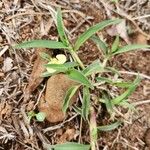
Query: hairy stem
x: 77, y: 59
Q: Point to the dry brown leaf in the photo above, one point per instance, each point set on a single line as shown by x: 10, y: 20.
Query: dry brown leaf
x: 52, y: 102
x: 7, y: 64
x: 67, y: 136
x: 121, y: 30
x: 140, y: 39
x: 5, y: 110
x: 35, y: 77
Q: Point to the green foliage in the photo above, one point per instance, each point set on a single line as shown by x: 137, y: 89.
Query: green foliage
x: 86, y: 103
x: 109, y: 127
x: 68, y: 146
x: 127, y: 93
x: 115, y: 45
x: 101, y: 44
x: 92, y: 30
x: 60, y: 28
x: 42, y: 44
x: 84, y: 75
x: 39, y: 116
x: 128, y: 48
x: 69, y: 94
x: 79, y: 77
x: 94, y: 67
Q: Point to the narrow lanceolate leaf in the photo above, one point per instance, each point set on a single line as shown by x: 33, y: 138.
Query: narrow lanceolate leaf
x: 130, y: 48
x: 115, y: 44
x: 60, y: 28
x: 56, y: 67
x: 95, y: 67
x: 45, y: 74
x: 116, y: 83
x: 86, y: 103
x: 70, y: 93
x: 109, y: 127
x: 101, y: 44
x: 127, y: 93
x: 92, y: 30
x: 41, y: 44
x: 61, y: 67
x: 79, y: 77
x: 71, y: 146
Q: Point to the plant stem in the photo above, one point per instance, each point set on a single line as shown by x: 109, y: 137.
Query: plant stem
x: 77, y: 59
x: 93, y: 129
x: 93, y: 125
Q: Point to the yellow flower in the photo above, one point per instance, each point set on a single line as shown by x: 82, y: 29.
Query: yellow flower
x: 60, y: 59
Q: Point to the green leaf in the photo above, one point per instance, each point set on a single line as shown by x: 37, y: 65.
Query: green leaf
x: 78, y: 110
x: 101, y: 44
x: 30, y: 115
x: 79, y: 77
x: 115, y: 44
x: 45, y: 56
x: 70, y: 93
x: 62, y: 67
x: 46, y: 74
x: 130, y: 48
x: 95, y: 67
x: 109, y: 127
x: 126, y: 104
x: 127, y: 93
x: 60, y: 28
x: 40, y: 116
x: 103, y: 79
x: 86, y: 103
x: 92, y: 30
x: 57, y: 67
x: 71, y: 146
x: 116, y: 83
x: 41, y: 44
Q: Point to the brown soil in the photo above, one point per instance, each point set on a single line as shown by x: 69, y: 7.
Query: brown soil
x: 23, y: 20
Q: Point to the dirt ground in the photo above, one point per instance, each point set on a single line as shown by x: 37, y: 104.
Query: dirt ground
x: 22, y: 20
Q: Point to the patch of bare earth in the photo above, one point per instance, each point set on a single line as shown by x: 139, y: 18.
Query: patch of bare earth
x: 25, y: 20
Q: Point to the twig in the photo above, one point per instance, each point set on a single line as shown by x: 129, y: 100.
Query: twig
x: 59, y: 125
x: 141, y: 17
x: 4, y: 50
x: 141, y: 102
x: 135, y: 73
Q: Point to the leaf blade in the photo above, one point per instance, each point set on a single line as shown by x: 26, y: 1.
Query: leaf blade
x: 101, y: 44
x: 86, y: 103
x: 71, y: 146
x: 127, y: 93
x: 92, y: 30
x: 79, y: 77
x: 60, y: 27
x: 41, y: 44
x: 109, y: 127
x: 69, y: 94
x: 94, y: 67
x: 128, y: 48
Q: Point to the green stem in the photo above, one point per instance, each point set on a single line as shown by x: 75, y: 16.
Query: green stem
x: 77, y: 59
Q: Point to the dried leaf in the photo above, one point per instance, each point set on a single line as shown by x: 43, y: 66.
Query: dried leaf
x: 119, y: 29
x: 7, y: 64
x: 52, y: 103
x: 67, y: 136
x: 35, y: 77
